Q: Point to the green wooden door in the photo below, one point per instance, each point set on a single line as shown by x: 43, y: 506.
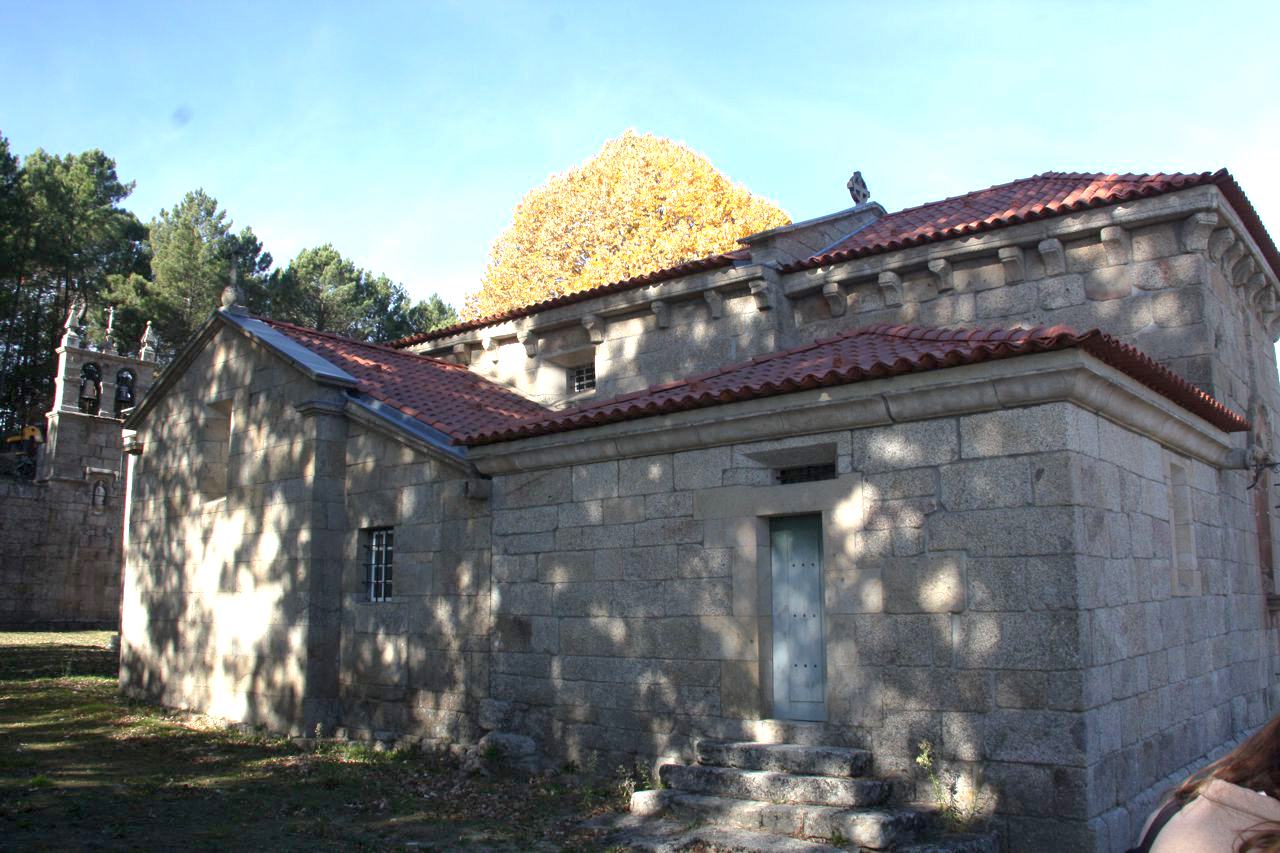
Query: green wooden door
x: 799, y: 644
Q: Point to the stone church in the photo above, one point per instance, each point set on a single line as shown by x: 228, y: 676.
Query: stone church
x: 993, y: 472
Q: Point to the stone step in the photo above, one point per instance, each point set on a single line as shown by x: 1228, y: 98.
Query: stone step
x: 958, y: 843
x: 805, y: 734
x: 774, y: 787
x: 785, y: 757
x: 877, y: 829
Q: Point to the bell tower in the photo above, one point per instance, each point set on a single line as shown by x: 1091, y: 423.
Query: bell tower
x: 94, y: 389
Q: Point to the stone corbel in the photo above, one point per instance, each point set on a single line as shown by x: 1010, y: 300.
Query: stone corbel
x: 760, y: 293
x: 1055, y: 260
x: 1196, y: 230
x: 1244, y: 271
x: 462, y: 353
x: 1118, y: 245
x: 662, y: 311
x: 1220, y: 241
x: 595, y: 328
x: 530, y: 343
x: 834, y: 294
x: 945, y: 273
x: 1015, y: 266
x: 1230, y: 257
x: 890, y: 287
x: 1261, y: 293
x: 715, y: 302
x: 490, y: 346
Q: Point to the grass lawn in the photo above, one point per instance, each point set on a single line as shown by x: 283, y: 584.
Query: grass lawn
x: 82, y: 769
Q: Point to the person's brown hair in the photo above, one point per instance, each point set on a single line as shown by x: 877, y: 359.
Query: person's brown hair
x: 1254, y: 764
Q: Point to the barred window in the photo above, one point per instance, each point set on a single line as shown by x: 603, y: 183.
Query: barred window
x: 379, y: 545
x: 582, y: 378
x: 807, y: 473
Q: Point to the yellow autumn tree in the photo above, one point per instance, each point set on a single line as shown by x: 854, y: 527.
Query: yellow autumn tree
x: 643, y: 203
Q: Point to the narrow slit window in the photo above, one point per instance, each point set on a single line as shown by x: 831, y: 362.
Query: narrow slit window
x: 379, y: 553
x: 582, y: 378
x: 807, y: 473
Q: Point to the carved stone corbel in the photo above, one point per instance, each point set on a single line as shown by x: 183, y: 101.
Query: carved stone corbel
x: 1220, y: 241
x: 529, y: 341
x: 945, y: 273
x: 1015, y: 267
x: 1118, y: 245
x: 462, y: 353
x: 1055, y: 259
x: 1244, y: 271
x: 1196, y: 230
x: 1230, y: 257
x: 662, y: 311
x: 890, y: 287
x: 595, y: 328
x: 760, y: 293
x: 715, y: 302
x: 490, y: 346
x: 834, y: 294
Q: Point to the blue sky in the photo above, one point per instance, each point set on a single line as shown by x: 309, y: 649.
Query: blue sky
x: 404, y: 133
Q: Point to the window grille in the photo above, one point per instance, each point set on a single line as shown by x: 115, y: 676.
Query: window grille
x: 582, y: 378
x: 807, y: 473
x: 379, y: 548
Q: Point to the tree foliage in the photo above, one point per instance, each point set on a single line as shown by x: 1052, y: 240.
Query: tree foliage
x: 64, y: 235
x: 322, y: 290
x: 193, y: 249
x: 641, y: 204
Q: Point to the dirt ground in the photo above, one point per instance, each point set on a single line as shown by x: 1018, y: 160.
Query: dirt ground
x: 82, y: 769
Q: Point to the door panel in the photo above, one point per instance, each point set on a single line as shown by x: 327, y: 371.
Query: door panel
x: 799, y: 648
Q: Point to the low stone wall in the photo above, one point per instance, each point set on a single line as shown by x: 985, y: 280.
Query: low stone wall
x: 59, y: 556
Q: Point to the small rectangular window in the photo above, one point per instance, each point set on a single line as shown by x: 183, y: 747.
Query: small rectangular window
x: 379, y: 548
x: 807, y: 473
x: 582, y: 378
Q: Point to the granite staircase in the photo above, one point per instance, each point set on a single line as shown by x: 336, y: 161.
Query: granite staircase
x: 793, y: 797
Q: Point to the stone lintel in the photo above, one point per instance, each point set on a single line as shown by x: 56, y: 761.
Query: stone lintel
x: 1055, y: 260
x: 1064, y: 375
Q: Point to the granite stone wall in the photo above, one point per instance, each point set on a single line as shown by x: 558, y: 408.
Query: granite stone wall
x: 998, y: 584
x: 59, y: 555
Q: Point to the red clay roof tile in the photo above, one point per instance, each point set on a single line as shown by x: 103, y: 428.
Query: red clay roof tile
x: 445, y: 396
x: 711, y: 262
x: 1038, y: 197
x: 875, y: 352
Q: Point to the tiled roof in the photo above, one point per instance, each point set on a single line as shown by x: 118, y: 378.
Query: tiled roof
x: 711, y: 262
x: 1039, y: 197
x: 445, y: 396
x: 870, y: 353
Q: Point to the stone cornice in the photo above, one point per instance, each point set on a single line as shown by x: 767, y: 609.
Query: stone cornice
x: 1068, y: 375
x: 1170, y: 207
